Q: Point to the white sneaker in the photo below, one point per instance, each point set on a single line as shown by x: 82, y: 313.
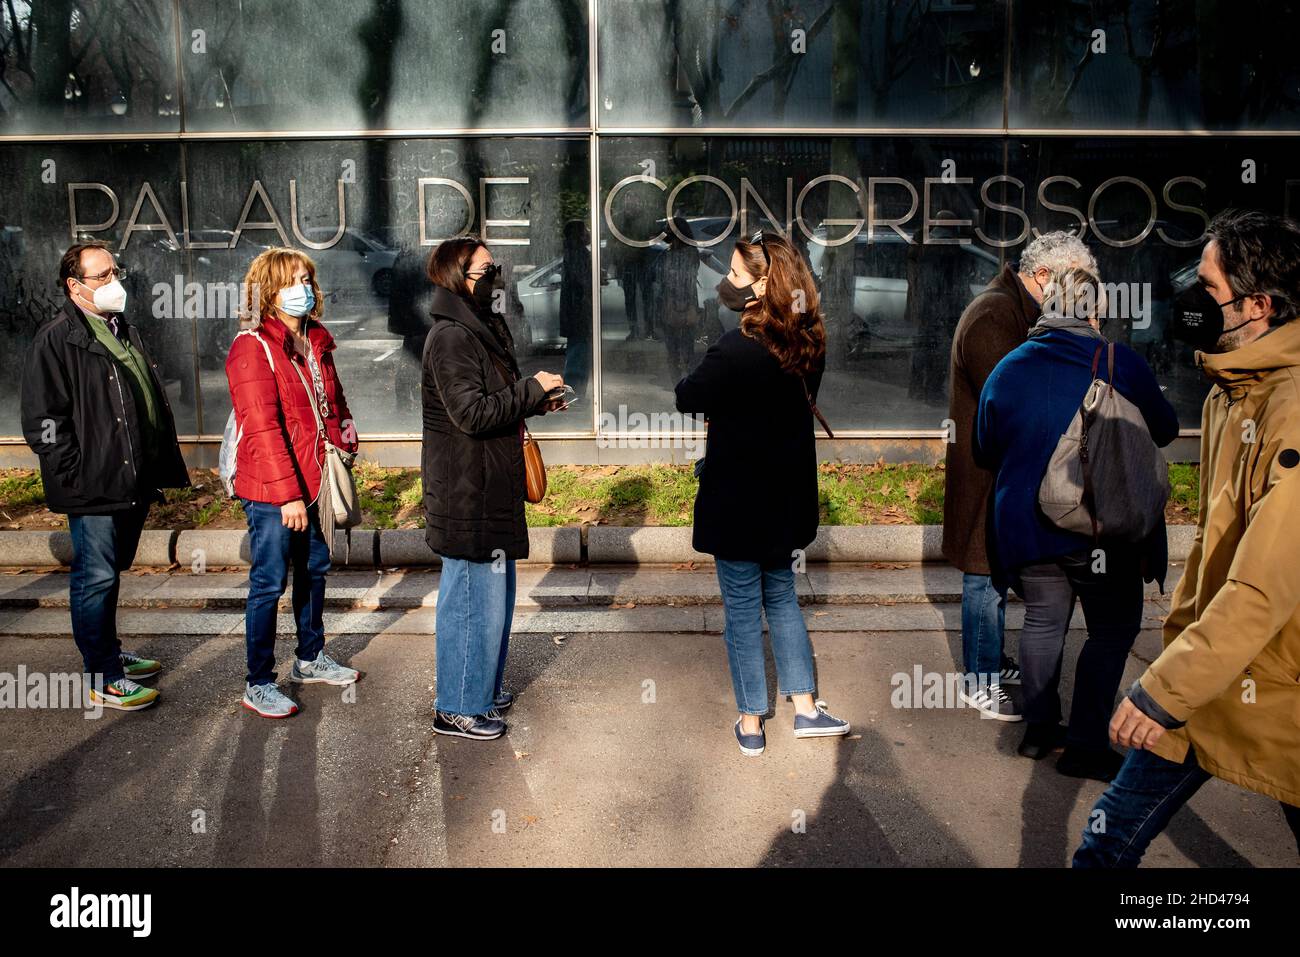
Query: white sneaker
x: 324, y: 670
x: 268, y: 701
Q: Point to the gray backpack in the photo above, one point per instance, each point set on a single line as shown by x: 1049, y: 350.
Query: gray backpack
x: 1106, y: 476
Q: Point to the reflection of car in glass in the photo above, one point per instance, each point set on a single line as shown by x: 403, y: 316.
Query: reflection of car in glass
x: 357, y: 263
x: 539, y: 292
x: 881, y: 319
x: 1164, y: 266
x: 948, y: 276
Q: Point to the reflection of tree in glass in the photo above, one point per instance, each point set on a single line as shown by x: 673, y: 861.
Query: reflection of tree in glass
x: 783, y: 19
x: 1222, y: 55
x: 86, y: 57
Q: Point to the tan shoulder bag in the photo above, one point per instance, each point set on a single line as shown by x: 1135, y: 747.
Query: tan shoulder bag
x: 534, y: 467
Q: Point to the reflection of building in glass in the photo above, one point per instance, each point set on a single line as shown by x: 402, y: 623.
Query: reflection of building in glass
x: 906, y: 149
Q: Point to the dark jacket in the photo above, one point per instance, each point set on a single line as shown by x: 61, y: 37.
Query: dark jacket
x: 575, y: 294
x: 995, y: 322
x: 1026, y: 406
x: 473, y: 459
x: 757, y: 500
x: 81, y: 418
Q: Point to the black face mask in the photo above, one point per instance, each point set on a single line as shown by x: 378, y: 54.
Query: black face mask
x: 1198, y: 318
x: 485, y: 289
x: 735, y: 299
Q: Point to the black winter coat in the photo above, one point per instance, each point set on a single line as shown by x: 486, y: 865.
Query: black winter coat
x: 473, y: 458
x: 73, y: 395
x: 757, y: 500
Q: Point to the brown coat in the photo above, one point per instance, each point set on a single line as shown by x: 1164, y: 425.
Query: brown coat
x: 995, y: 322
x: 1231, y: 664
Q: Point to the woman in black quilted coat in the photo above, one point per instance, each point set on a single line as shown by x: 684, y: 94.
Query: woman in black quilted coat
x: 475, y: 401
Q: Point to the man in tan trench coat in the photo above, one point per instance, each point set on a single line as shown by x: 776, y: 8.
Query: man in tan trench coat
x: 1223, y: 698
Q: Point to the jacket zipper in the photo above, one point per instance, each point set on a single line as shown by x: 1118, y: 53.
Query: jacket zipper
x: 130, y: 447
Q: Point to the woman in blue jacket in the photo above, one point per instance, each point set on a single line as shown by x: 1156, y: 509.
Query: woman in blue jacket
x: 1026, y: 405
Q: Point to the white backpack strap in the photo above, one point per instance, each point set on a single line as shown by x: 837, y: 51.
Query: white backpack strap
x: 269, y: 361
x: 265, y: 347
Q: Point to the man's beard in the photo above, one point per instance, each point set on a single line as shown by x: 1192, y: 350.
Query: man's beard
x: 1237, y: 337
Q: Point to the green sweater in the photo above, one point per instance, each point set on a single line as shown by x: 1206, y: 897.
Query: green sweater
x: 138, y: 379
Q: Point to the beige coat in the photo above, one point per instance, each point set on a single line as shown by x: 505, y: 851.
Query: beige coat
x: 1231, y: 663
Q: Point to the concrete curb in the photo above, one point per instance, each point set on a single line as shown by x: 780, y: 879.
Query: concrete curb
x: 605, y: 545
x: 400, y: 547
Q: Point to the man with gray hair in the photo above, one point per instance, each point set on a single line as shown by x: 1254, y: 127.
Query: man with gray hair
x: 995, y: 322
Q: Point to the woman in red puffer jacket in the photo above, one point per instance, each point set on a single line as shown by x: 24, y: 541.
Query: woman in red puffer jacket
x: 278, y: 368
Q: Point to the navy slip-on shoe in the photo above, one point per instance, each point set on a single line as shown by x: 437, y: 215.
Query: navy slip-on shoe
x: 751, y: 744
x: 823, y: 724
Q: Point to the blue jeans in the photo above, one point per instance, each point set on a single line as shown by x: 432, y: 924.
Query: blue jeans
x: 577, y: 365
x: 983, y: 618
x: 747, y: 591
x: 1138, y: 805
x: 476, y: 606
x: 273, y: 551
x: 103, y: 546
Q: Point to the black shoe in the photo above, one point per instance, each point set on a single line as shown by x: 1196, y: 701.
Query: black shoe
x: 1010, y: 671
x: 478, y: 727
x: 1041, y: 739
x: 503, y: 701
x: 1100, y: 765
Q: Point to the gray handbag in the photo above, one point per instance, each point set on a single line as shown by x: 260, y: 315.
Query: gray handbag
x: 1106, y: 476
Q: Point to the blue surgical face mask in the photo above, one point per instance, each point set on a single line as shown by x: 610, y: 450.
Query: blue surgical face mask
x: 297, y: 301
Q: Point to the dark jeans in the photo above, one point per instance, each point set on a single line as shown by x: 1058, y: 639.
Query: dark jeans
x: 1112, y: 609
x: 577, y: 365
x: 103, y: 546
x: 680, y: 341
x: 636, y: 282
x: 1138, y: 805
x: 273, y: 551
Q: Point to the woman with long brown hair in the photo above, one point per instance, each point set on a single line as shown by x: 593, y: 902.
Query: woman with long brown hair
x: 756, y: 509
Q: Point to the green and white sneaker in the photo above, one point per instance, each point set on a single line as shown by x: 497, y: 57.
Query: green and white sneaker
x: 124, y: 695
x: 137, y: 667
x: 324, y: 670
x: 268, y: 701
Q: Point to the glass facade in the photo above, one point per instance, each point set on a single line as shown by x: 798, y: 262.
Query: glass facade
x: 910, y: 149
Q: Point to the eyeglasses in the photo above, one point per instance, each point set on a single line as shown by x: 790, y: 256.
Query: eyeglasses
x: 116, y: 272
x: 486, y: 270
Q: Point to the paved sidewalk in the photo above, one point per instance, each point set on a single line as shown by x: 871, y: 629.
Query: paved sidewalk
x: 619, y: 753
x: 619, y: 750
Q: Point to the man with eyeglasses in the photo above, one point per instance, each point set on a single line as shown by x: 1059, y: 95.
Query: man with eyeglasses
x: 95, y: 411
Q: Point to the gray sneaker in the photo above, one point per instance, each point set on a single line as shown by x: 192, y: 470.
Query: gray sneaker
x: 324, y: 670
x: 992, y: 702
x: 268, y: 701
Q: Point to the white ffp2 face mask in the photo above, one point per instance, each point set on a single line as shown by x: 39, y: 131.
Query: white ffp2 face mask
x: 110, y: 297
